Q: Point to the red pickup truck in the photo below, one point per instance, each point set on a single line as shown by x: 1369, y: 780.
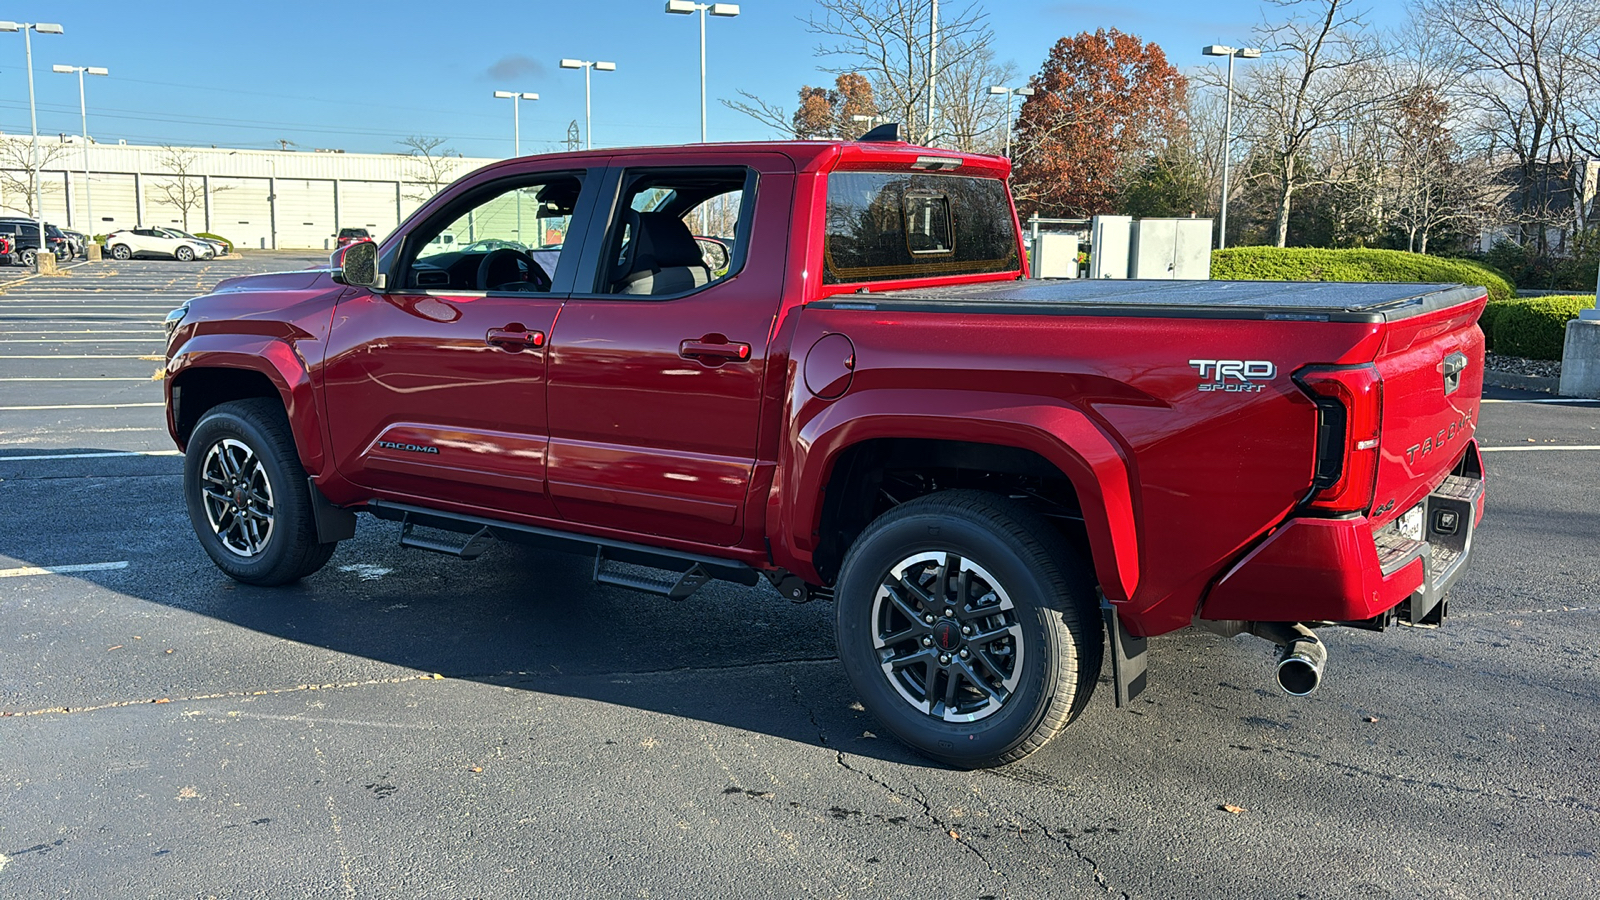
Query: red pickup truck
x: 858, y: 397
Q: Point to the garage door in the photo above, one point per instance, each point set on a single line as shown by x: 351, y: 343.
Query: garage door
x: 115, y: 204
x: 305, y: 214
x: 175, y: 201
x: 239, y: 211
x: 369, y: 205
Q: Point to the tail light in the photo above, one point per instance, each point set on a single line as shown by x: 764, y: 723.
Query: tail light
x: 1349, y: 403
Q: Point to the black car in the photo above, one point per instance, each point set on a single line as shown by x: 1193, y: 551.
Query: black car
x: 24, y: 235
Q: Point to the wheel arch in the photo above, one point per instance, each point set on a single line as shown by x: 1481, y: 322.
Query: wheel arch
x: 212, y: 369
x: 837, y: 453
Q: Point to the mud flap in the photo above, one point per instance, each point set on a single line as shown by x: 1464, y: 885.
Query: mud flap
x: 1128, y: 662
x: 333, y: 523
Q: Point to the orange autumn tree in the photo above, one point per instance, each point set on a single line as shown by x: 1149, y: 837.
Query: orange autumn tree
x: 1102, y: 103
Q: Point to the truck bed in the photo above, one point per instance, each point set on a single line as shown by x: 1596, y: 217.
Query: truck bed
x: 1320, y: 301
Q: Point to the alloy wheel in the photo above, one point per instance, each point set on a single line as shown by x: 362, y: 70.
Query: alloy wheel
x: 238, y: 497
x: 947, y: 637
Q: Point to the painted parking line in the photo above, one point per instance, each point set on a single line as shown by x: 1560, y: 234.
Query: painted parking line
x: 1544, y: 447
x: 147, y: 357
x: 62, y: 570
x: 107, y: 454
x: 144, y: 340
x: 40, y: 378
x: 78, y: 406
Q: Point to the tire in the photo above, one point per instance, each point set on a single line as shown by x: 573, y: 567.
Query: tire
x: 1039, y: 659
x: 184, y: 254
x: 30, y: 257
x: 241, y: 457
x: 121, y: 251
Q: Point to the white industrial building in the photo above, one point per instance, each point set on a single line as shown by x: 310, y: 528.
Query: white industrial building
x: 265, y: 199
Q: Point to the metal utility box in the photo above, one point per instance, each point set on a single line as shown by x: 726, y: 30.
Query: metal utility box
x: 1171, y: 249
x: 1055, y: 255
x: 1109, y: 241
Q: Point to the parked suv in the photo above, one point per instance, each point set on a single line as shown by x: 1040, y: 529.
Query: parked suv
x: 24, y: 236
x: 346, y: 235
x: 156, y: 242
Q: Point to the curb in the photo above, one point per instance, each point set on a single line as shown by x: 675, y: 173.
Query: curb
x: 1544, y: 383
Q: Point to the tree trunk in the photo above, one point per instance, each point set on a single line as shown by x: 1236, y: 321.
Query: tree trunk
x: 1285, y: 194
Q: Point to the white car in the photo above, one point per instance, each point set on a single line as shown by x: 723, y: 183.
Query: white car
x: 217, y: 247
x: 156, y: 242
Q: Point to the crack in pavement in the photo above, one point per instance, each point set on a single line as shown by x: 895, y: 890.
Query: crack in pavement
x: 529, y: 675
x: 920, y: 800
x: 1094, y: 867
x: 222, y: 695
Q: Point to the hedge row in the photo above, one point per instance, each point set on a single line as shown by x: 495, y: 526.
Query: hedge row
x: 1305, y: 264
x: 1532, y: 327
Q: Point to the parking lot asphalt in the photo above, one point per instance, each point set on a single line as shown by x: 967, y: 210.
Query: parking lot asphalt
x: 405, y: 724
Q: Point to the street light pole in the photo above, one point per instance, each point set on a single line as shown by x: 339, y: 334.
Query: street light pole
x: 27, y: 29
x: 587, y: 66
x: 1010, y: 92
x: 516, y: 116
x: 83, y: 112
x: 1231, y: 53
x: 689, y: 7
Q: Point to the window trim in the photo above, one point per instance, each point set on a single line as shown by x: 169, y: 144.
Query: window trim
x: 603, y: 229
x: 560, y: 283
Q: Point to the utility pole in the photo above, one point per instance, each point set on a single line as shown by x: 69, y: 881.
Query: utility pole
x: 933, y: 69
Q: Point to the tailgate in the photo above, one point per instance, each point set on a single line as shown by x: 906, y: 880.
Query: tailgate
x: 1432, y: 371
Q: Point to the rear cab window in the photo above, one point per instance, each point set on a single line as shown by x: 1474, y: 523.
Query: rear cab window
x: 890, y: 226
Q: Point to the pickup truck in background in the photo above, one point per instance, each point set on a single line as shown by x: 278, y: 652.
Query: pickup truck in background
x: 864, y: 401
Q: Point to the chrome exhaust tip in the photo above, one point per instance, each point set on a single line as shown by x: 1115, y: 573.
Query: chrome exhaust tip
x: 1300, y: 665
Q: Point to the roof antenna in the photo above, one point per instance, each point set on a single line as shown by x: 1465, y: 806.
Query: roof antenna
x: 888, y: 131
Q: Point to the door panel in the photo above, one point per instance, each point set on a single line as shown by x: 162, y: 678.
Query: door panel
x: 420, y: 403
x: 648, y: 432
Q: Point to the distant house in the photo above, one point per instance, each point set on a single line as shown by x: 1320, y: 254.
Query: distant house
x: 1563, y: 198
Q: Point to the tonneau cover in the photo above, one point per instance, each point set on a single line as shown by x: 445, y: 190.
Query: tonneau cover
x: 1279, y: 300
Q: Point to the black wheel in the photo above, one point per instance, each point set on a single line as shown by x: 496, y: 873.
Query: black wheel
x: 247, y: 495
x: 121, y: 251
x: 29, y: 257
x: 968, y: 627
x: 184, y: 254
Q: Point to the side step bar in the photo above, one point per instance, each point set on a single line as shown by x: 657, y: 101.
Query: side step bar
x: 691, y: 571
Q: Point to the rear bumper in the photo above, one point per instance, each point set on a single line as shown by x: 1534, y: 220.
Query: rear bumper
x: 1336, y: 570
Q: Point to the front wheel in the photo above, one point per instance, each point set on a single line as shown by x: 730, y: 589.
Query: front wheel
x: 968, y: 627
x: 30, y: 257
x: 185, y: 254
x: 248, y: 497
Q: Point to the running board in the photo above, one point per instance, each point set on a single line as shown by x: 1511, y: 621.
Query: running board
x: 481, y: 530
x: 680, y: 589
x: 472, y: 549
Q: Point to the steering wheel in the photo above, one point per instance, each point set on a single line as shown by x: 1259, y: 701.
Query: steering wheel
x: 528, y: 268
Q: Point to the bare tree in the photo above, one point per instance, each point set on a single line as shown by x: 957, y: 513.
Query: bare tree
x: 1531, y: 73
x: 433, y: 166
x: 18, y: 175
x: 886, y: 41
x: 183, y: 191
x: 1317, y: 73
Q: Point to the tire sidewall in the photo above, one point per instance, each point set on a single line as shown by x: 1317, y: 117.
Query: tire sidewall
x: 121, y: 251
x: 289, y: 510
x: 30, y: 257
x: 966, y: 744
x: 184, y: 254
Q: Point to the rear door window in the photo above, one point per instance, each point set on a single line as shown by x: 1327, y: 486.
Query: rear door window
x: 889, y: 225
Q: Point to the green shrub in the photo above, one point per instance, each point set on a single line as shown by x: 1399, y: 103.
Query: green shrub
x: 1491, y: 315
x: 1536, y: 327
x: 1306, y: 264
x: 216, y: 237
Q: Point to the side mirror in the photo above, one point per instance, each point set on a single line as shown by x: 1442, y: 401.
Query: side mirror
x: 356, y: 264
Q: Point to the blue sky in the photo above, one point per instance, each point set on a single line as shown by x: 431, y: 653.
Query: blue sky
x: 361, y: 76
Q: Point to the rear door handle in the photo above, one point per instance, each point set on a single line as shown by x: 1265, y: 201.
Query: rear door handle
x: 714, y: 347
x: 514, y: 338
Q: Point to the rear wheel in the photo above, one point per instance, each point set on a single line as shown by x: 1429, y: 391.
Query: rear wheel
x: 247, y: 494
x: 121, y: 251
x: 968, y: 627
x: 184, y: 254
x: 30, y: 257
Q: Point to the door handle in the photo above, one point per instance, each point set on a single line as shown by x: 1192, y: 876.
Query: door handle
x: 714, y: 347
x: 514, y: 338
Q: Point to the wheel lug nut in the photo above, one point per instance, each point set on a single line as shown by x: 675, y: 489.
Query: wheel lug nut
x: 966, y: 629
x: 928, y: 618
x: 944, y: 659
x: 963, y: 653
x: 949, y: 612
x: 927, y: 642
